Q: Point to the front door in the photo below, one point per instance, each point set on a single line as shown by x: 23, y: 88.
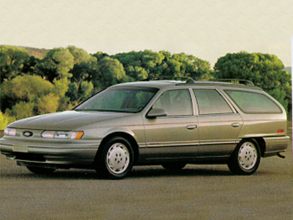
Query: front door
x: 176, y: 133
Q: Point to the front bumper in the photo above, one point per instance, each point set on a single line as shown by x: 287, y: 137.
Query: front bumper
x: 50, y: 153
x: 275, y: 145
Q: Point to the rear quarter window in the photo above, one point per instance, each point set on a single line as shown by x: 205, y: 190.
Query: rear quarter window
x: 252, y: 102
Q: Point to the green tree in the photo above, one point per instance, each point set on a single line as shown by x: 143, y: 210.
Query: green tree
x: 109, y: 72
x: 48, y: 103
x: 151, y: 65
x: 22, y: 110
x: 23, y: 88
x: 264, y: 70
x: 192, y: 67
x: 77, y: 92
x: 29, y: 67
x: 141, y: 65
x: 26, y: 87
x: 100, y: 55
x: 132, y: 65
x: 60, y: 86
x: 56, y: 64
x: 12, y: 62
x: 80, y: 55
x: 5, y: 119
x: 136, y: 73
x: 85, y: 66
x: 62, y: 77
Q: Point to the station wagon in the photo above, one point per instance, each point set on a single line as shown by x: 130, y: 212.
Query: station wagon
x: 168, y: 123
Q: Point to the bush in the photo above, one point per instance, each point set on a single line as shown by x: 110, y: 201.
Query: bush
x: 5, y: 119
x: 23, y: 88
x: 48, y: 103
x: 22, y: 110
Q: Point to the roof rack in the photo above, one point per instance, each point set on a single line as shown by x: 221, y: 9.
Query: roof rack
x: 226, y: 81
x: 237, y: 81
x: 190, y: 81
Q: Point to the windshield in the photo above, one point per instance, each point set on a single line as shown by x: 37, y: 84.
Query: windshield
x: 119, y: 100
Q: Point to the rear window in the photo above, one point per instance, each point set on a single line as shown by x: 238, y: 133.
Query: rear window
x: 251, y: 102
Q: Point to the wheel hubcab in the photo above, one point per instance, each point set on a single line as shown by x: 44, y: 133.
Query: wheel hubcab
x: 118, y: 158
x: 247, y: 155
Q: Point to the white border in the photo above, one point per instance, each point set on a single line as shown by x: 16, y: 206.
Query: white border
x: 291, y: 85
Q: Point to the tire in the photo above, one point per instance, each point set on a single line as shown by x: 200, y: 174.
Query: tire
x: 115, y: 159
x: 174, y: 166
x: 246, y: 158
x: 41, y: 170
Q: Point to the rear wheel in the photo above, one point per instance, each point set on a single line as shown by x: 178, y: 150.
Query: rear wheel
x: 245, y: 159
x: 175, y: 166
x: 115, y: 160
x: 40, y: 170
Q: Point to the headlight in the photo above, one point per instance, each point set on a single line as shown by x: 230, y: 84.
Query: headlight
x: 10, y: 131
x: 73, y: 135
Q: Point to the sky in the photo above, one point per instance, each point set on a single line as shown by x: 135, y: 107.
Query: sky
x: 207, y: 29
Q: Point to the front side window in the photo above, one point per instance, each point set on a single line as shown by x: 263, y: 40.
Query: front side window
x: 211, y: 102
x: 119, y: 100
x: 175, y: 102
x: 252, y: 102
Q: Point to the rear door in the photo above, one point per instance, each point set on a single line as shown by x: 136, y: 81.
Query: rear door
x: 218, y: 123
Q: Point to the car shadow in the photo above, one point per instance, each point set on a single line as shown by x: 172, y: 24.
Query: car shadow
x: 144, y: 172
x: 59, y: 174
x: 187, y: 172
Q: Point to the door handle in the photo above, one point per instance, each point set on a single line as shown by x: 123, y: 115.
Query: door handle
x: 235, y: 125
x: 190, y: 127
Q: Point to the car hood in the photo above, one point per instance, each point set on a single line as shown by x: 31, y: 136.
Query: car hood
x: 68, y: 120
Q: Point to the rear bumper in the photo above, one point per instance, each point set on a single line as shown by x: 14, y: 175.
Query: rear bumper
x: 275, y: 145
x: 59, y: 154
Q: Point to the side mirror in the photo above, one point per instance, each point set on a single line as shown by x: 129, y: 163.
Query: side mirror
x: 156, y: 112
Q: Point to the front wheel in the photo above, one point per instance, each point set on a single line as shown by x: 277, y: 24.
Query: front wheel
x: 245, y: 159
x: 40, y: 170
x: 115, y: 160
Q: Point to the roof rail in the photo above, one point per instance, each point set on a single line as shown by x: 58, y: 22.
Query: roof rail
x: 237, y: 81
x: 243, y: 82
x: 190, y: 81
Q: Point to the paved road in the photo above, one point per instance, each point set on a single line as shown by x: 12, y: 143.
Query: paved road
x: 198, y: 192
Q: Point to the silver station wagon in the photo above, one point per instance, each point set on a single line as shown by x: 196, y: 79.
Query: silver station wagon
x: 171, y: 123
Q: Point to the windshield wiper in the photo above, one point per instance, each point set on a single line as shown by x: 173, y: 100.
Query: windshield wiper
x: 104, y: 110
x: 89, y: 110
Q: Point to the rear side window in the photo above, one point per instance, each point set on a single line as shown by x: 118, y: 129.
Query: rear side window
x: 211, y: 102
x: 252, y: 102
x: 175, y: 102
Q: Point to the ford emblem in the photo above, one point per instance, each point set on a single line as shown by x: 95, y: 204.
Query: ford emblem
x: 27, y: 133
